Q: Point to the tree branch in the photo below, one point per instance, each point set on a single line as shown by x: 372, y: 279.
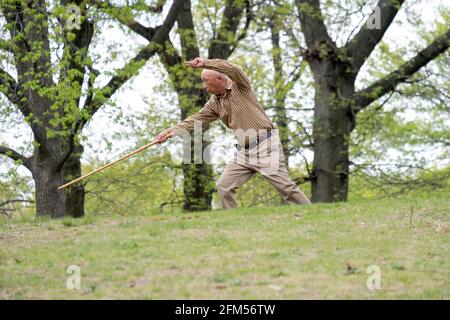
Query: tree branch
x: 13, y: 13
x: 313, y: 26
x: 71, y: 139
x: 123, y: 74
x: 75, y: 54
x: 187, y: 33
x: 14, y: 155
x: 364, y: 97
x: 126, y: 19
x: 170, y: 57
x: 363, y: 43
x: 157, y: 7
x: 4, y: 203
x: 90, y: 89
x: 93, y: 103
x: 249, y: 16
x: 220, y: 46
x: 9, y: 86
x: 6, y: 211
x: 22, y: 18
x: 6, y: 46
x: 294, y: 39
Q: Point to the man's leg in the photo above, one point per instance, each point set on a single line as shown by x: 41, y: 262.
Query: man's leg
x: 276, y: 173
x: 232, y: 178
x: 287, y: 188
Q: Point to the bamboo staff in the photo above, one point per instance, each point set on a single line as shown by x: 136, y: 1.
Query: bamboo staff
x: 111, y: 163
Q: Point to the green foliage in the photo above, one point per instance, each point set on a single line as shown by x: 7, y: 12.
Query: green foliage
x: 397, y: 181
x: 145, y: 186
x: 14, y: 186
x: 61, y: 74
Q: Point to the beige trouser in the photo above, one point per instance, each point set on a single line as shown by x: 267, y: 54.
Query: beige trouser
x: 268, y: 160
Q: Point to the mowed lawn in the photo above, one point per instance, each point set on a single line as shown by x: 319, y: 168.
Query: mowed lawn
x: 290, y: 252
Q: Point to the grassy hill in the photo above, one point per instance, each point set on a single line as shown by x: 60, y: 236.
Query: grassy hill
x: 315, y: 252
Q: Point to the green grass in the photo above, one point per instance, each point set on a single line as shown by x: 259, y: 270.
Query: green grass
x: 292, y: 252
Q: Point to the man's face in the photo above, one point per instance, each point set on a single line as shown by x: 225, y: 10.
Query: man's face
x: 212, y: 83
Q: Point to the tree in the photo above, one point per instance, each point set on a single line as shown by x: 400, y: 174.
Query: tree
x: 48, y: 76
x: 51, y: 96
x: 337, y: 103
x: 198, y: 179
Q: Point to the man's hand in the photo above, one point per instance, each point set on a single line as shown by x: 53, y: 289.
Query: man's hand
x: 163, y: 136
x: 196, y: 63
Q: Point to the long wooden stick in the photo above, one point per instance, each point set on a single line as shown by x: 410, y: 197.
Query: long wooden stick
x: 109, y: 164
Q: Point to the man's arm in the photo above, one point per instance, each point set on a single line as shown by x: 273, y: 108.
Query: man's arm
x: 206, y: 115
x: 231, y: 70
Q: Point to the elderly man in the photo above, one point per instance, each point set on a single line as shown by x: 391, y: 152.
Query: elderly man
x: 258, y: 149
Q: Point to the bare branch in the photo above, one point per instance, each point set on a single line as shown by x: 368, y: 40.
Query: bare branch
x: 117, y: 13
x: 294, y: 39
x: 4, y: 203
x: 249, y: 16
x: 308, y: 135
x: 363, y: 43
x: 7, y: 211
x: 293, y: 76
x: 364, y: 97
x: 211, y: 21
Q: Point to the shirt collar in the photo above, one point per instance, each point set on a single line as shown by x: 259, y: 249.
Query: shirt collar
x: 229, y: 84
x: 228, y: 88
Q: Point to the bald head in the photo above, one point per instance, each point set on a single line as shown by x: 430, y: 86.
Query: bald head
x: 214, y: 82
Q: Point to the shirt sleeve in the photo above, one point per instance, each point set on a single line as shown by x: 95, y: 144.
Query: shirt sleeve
x: 207, y: 114
x: 234, y: 72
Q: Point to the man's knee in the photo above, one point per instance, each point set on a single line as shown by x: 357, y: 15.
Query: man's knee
x: 223, y: 186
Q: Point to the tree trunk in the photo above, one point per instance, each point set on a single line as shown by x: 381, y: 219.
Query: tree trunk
x: 197, y: 187
x: 280, y: 91
x: 197, y: 178
x: 49, y: 200
x: 333, y: 123
x: 75, y: 194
